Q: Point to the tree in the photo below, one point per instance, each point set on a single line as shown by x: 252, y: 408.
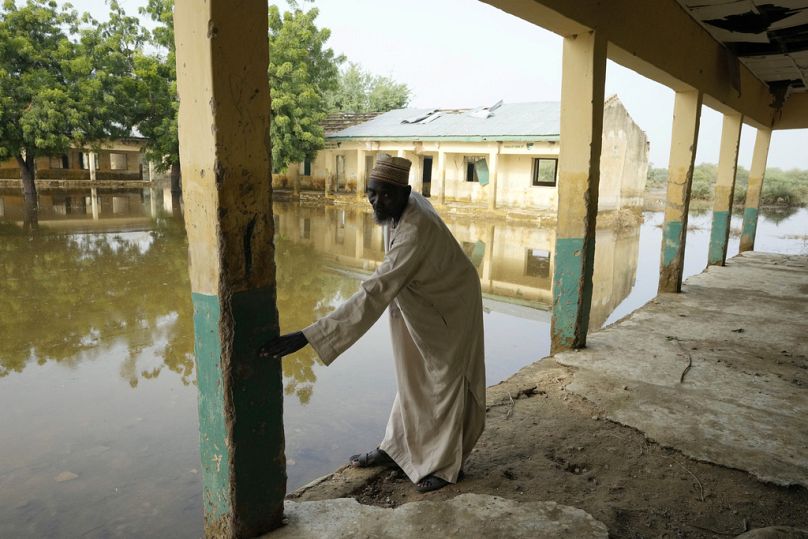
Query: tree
x: 156, y: 76
x: 302, y: 70
x: 360, y: 91
x: 63, y: 81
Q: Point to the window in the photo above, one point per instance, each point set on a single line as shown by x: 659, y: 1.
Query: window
x: 307, y: 167
x: 59, y: 161
x: 117, y: 161
x: 84, y: 160
x: 476, y: 169
x: 544, y: 172
x: 537, y: 263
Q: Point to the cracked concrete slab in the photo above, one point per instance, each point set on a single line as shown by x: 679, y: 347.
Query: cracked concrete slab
x: 718, y: 372
x: 467, y: 515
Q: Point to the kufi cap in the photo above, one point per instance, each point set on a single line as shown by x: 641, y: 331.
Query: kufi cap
x: 395, y: 170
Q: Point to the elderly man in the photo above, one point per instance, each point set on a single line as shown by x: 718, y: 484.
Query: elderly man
x: 433, y: 294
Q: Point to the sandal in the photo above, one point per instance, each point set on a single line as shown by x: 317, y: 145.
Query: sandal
x: 430, y: 483
x: 377, y: 457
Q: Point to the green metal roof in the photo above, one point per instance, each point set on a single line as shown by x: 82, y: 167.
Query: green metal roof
x: 502, y: 122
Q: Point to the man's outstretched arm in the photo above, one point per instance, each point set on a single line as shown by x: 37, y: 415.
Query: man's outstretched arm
x: 283, y: 345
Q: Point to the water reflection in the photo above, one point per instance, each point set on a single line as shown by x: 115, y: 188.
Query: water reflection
x: 73, y: 295
x: 96, y: 370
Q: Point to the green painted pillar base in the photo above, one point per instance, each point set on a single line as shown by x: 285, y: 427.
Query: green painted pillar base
x: 673, y: 251
x: 749, y: 229
x: 719, y: 237
x: 572, y: 293
x: 240, y: 413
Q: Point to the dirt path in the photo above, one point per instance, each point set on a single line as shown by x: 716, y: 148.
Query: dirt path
x: 574, y: 457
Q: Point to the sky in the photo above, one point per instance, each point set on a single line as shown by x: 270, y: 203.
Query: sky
x: 464, y: 53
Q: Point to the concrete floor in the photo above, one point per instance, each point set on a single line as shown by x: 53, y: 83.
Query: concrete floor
x: 743, y: 329
x: 717, y: 373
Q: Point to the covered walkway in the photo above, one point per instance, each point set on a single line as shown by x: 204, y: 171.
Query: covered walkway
x: 686, y: 418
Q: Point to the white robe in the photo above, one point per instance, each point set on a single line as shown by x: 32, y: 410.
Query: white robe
x: 436, y: 321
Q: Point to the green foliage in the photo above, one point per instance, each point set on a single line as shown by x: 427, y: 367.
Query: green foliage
x: 156, y: 79
x: 360, y: 91
x: 64, y: 78
x: 657, y: 177
x: 780, y: 187
x: 302, y: 70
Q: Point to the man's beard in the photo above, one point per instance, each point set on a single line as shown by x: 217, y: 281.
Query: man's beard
x: 380, y: 217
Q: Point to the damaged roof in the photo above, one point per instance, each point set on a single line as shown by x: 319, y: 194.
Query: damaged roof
x: 502, y: 121
x: 337, y: 121
x: 769, y: 36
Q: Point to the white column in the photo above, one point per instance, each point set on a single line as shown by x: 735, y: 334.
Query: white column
x: 493, y: 165
x: 441, y: 176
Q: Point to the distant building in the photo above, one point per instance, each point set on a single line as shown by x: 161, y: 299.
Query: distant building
x: 120, y: 159
x: 503, y: 156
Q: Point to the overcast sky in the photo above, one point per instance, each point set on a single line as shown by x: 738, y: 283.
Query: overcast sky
x: 463, y: 53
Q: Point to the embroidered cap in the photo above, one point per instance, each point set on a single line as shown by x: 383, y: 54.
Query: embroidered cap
x: 395, y: 170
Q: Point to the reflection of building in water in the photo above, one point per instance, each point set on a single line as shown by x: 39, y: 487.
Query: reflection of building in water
x: 504, y: 156
x: 514, y: 261
x: 80, y: 207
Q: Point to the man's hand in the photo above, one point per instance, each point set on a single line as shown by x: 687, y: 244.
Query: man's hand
x: 283, y: 345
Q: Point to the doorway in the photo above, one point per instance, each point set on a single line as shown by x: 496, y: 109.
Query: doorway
x: 427, y: 177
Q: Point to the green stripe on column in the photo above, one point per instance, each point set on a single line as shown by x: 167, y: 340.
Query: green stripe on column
x: 719, y: 235
x: 212, y: 429
x: 240, y: 395
x: 567, y: 290
x: 749, y: 229
x: 672, y: 243
x: 257, y: 391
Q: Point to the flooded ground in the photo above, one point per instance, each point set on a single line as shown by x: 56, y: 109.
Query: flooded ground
x: 97, y: 376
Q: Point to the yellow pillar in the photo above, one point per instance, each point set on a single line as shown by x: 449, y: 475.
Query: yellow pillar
x: 753, y: 191
x: 222, y: 58
x: 493, y: 166
x: 684, y: 136
x: 417, y: 174
x: 92, y: 157
x: 582, y: 86
x: 361, y: 180
x: 94, y: 203
x: 441, y: 177
x: 724, y: 189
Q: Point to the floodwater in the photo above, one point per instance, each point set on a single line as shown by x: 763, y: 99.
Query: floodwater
x: 97, y: 383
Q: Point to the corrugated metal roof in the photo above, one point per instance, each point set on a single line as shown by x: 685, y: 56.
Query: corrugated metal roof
x: 337, y: 121
x: 509, y: 121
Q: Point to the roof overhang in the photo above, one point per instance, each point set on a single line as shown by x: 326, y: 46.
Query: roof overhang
x: 480, y: 138
x: 661, y: 40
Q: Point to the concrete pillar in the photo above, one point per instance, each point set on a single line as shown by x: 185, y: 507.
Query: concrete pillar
x: 582, y: 86
x: 168, y: 200
x: 92, y: 158
x: 417, y: 173
x: 222, y: 58
x: 151, y: 172
x: 684, y: 136
x: 493, y: 165
x: 758, y: 170
x: 153, y: 202
x: 94, y: 203
x: 724, y: 189
x: 293, y: 177
x: 361, y: 180
x: 441, y: 177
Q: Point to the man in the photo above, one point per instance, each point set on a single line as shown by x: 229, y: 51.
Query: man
x: 433, y: 294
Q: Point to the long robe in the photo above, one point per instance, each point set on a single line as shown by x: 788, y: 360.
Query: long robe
x: 436, y: 322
